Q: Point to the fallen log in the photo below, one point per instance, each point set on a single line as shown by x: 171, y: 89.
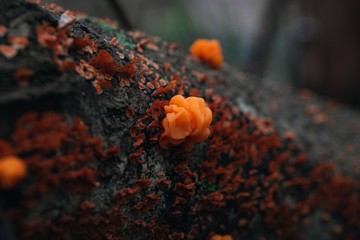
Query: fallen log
x: 81, y: 105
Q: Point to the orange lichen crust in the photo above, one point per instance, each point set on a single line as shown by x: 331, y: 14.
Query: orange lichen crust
x: 12, y: 170
x: 187, y: 122
x: 208, y: 51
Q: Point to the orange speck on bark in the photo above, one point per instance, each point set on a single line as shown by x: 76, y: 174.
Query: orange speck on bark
x: 81, y: 42
x: 3, y: 30
x: 85, y: 44
x: 187, y: 122
x: 208, y: 51
x: 19, y: 42
x: 12, y: 170
x: 39, y: 2
x: 23, y: 76
x: 7, y: 51
x: 104, y: 62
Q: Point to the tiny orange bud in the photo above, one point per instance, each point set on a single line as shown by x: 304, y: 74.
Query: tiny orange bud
x: 220, y: 237
x: 12, y: 170
x: 208, y: 51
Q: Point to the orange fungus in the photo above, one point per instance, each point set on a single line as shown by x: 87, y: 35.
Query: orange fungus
x: 187, y: 122
x: 208, y: 51
x: 12, y: 170
x: 219, y: 237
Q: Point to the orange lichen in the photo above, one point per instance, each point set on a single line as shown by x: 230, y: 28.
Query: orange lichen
x: 9, y: 52
x: 220, y: 237
x: 187, y: 122
x: 104, y: 62
x: 23, y: 76
x: 208, y: 51
x: 3, y: 30
x: 12, y: 170
x: 84, y: 44
x: 19, y: 42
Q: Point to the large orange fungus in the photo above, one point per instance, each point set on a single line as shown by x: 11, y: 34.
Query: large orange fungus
x: 187, y: 122
x: 208, y: 51
x: 12, y: 170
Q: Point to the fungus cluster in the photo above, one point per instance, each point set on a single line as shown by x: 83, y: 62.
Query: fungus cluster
x: 187, y: 122
x: 48, y: 143
x: 208, y: 51
x: 59, y: 41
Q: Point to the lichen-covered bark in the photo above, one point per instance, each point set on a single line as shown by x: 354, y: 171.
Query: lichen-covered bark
x: 82, y: 106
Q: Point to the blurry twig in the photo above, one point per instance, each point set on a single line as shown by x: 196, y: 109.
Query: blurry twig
x: 120, y: 14
x: 260, y: 50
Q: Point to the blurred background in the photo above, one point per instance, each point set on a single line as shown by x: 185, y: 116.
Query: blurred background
x: 308, y: 43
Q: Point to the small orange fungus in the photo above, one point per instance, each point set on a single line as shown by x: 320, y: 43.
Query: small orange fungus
x: 12, y: 170
x: 187, y: 122
x: 208, y: 51
x: 219, y: 237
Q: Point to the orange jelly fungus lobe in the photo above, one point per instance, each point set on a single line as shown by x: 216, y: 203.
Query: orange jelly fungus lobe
x: 12, y: 170
x: 187, y: 122
x: 208, y: 51
x: 219, y: 237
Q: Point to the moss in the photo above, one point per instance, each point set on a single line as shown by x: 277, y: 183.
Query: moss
x: 3, y: 77
x: 38, y: 80
x: 209, y: 188
x: 121, y: 38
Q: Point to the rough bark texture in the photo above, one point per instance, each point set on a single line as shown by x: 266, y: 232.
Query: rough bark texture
x: 89, y: 137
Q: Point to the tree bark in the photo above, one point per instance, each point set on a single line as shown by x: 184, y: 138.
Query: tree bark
x: 82, y: 106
